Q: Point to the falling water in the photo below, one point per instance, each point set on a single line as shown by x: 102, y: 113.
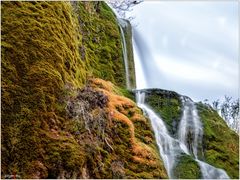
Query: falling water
x: 144, y: 64
x: 140, y: 78
x: 210, y: 172
x: 190, y: 130
x: 169, y: 147
x: 123, y: 24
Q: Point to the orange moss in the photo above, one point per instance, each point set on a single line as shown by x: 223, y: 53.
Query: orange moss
x: 118, y: 109
x: 138, y: 117
x: 144, y: 161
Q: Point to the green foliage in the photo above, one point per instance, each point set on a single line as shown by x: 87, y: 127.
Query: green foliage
x: 100, y: 47
x: 127, y: 93
x: 186, y: 168
x: 220, y: 142
x: 134, y: 152
x: 167, y: 105
x: 46, y: 47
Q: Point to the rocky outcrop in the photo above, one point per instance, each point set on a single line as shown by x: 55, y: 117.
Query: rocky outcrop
x: 56, y: 123
x: 220, y: 143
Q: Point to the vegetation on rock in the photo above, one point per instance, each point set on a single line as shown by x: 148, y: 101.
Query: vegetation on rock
x: 100, y: 46
x: 220, y: 143
x: 186, y: 168
x: 55, y: 126
x: 167, y: 105
x: 60, y: 121
x: 39, y: 56
x: 132, y: 144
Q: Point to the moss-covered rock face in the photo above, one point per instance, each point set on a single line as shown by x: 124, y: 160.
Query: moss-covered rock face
x: 102, y: 135
x: 39, y: 57
x: 130, y: 150
x: 100, y: 47
x: 55, y: 126
x: 167, y: 105
x: 221, y: 144
x: 186, y: 168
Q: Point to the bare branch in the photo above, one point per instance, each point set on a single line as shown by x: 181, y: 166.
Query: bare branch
x: 122, y: 6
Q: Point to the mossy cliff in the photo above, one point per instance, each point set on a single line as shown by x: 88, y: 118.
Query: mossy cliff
x: 131, y: 150
x: 186, y: 168
x: 60, y: 120
x: 167, y: 104
x: 56, y: 123
x: 220, y: 143
x: 127, y: 30
x: 101, y: 47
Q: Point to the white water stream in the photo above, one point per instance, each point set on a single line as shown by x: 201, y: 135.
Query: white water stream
x: 190, y: 129
x: 123, y: 24
x: 169, y: 147
x: 190, y: 133
x: 189, y: 139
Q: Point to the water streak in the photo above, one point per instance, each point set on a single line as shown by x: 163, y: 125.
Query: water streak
x: 190, y: 133
x: 141, y: 82
x: 210, y: 172
x: 169, y: 147
x: 123, y: 24
x: 190, y: 128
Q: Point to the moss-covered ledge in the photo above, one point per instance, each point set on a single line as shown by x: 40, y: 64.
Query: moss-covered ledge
x: 220, y: 143
x: 167, y: 105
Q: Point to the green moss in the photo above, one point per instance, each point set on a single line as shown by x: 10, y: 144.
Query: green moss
x: 127, y: 93
x: 40, y: 56
x: 167, y: 105
x: 134, y: 152
x: 220, y: 142
x: 49, y: 49
x: 45, y: 47
x: 100, y: 47
x: 186, y: 168
x: 39, y: 34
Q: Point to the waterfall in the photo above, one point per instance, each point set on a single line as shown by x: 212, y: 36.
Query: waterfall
x: 190, y: 132
x: 169, y: 147
x: 145, y: 70
x: 190, y: 129
x: 210, y: 172
x: 140, y: 78
x: 123, y: 24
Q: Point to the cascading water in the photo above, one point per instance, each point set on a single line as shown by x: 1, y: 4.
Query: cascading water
x: 123, y: 24
x: 141, y: 82
x: 210, y: 172
x: 190, y: 130
x: 169, y: 147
